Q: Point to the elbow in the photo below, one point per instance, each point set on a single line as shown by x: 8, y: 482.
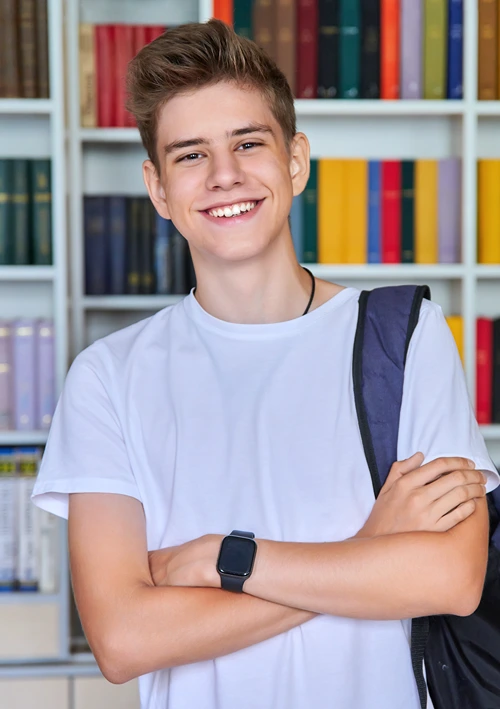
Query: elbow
x: 469, y: 597
x: 115, y: 663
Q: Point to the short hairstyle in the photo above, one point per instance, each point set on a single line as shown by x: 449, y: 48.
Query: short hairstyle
x: 199, y: 54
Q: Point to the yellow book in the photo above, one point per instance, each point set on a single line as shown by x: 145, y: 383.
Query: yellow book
x: 488, y: 211
x: 356, y: 209
x: 426, y: 211
x: 331, y: 231
x: 456, y: 325
x: 88, y: 76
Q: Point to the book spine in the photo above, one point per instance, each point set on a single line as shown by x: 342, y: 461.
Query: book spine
x: 88, y: 76
x: 242, y: 18
x: 349, y: 48
x: 8, y: 47
x: 411, y: 49
x: 263, y: 26
x: 140, y: 38
x: 179, y: 263
x: 133, y: 245
x: 370, y: 49
x: 456, y: 325
x: 42, y: 50
x: 374, y: 212
x: 20, y: 199
x: 408, y: 211
x: 310, y: 218
x: 146, y: 271
x: 124, y: 51
x: 27, y: 47
x: 487, y: 49
x: 23, y: 362
x: 41, y: 212
x: 488, y: 211
x: 389, y: 49
x: 426, y: 211
x: 391, y: 211
x: 307, y: 48
x: 5, y: 376
x: 331, y: 211
x: 484, y: 369
x: 455, y: 49
x: 286, y: 40
x: 28, y: 549
x: 95, y: 230
x: 496, y: 372
x: 8, y: 531
x: 104, y: 41
x: 297, y: 227
x: 328, y: 48
x: 117, y: 245
x: 223, y: 10
x: 45, y: 374
x: 449, y: 212
x: 435, y: 48
x: 6, y: 212
x: 355, y: 220
x: 163, y: 255
x: 47, y: 531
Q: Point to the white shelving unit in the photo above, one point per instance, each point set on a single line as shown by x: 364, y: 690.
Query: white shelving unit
x: 36, y: 625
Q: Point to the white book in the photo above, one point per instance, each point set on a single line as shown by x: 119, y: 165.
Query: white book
x: 8, y: 509
x: 47, y: 526
x: 28, y: 543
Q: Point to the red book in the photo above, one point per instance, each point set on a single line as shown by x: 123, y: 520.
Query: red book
x: 389, y: 49
x: 104, y: 40
x: 307, y: 48
x: 391, y: 211
x: 140, y: 38
x: 484, y: 369
x: 153, y: 31
x: 223, y: 10
x: 124, y: 51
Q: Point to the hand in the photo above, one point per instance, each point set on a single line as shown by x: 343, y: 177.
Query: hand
x: 432, y: 498
x: 189, y: 564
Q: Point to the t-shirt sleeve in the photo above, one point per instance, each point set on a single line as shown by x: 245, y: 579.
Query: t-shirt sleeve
x: 85, y: 450
x: 437, y: 417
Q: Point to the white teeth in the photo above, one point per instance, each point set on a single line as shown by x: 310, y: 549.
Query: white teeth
x: 234, y: 210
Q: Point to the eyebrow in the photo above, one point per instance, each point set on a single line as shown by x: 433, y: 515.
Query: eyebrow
x: 190, y: 142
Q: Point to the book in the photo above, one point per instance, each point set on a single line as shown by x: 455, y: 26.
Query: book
x: 426, y: 208
x: 42, y: 50
x: 146, y: 243
x: 242, y: 18
x: 88, y: 75
x: 435, y: 48
x: 24, y: 374
x: 9, y: 55
x: 47, y: 533
x: 412, y: 13
x: 449, y: 212
x: 374, y: 212
x: 123, y: 46
x: 8, y: 531
x: 407, y: 211
x: 26, y: 21
x: 484, y: 369
x: 133, y: 263
x: 6, y: 212
x: 370, y: 49
x: 456, y: 325
x: 20, y: 212
x: 355, y: 213
x: 487, y: 50
x: 389, y: 49
x: 41, y: 212
x: 310, y: 215
x: 27, y: 553
x: 495, y: 406
x: 488, y: 211
x: 264, y: 30
x: 163, y: 255
x: 5, y: 376
x: 95, y: 230
x: 180, y: 250
x: 349, y: 48
x: 455, y: 49
x: 331, y: 204
x: 45, y: 395
x: 117, y: 244
x: 106, y: 81
x: 296, y: 221
x: 285, y: 24
x: 328, y: 48
x: 307, y: 49
x: 223, y: 10
x: 391, y: 211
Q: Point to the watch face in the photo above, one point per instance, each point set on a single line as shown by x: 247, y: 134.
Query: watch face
x: 236, y: 556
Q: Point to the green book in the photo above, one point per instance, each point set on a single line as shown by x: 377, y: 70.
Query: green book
x: 5, y: 212
x: 407, y: 211
x: 349, y: 48
x: 310, y: 216
x: 435, y: 48
x: 21, y: 221
x: 41, y: 212
x: 242, y: 18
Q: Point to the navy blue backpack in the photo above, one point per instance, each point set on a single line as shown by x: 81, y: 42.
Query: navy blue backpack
x: 461, y: 654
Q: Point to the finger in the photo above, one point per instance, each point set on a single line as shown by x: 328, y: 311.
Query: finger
x: 436, y: 468
x: 448, y: 482
x: 457, y: 497
x: 459, y: 514
x: 403, y: 467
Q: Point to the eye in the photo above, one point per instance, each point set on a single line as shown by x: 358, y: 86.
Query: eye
x: 185, y: 158
x: 249, y: 143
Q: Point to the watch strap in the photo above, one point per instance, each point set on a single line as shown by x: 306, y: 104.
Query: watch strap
x: 237, y: 533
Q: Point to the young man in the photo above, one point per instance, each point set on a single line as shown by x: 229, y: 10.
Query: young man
x: 234, y: 410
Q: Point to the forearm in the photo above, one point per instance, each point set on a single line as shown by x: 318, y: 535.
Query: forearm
x: 168, y: 626
x: 387, y: 577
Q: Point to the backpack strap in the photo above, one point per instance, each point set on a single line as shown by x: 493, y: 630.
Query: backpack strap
x: 386, y: 320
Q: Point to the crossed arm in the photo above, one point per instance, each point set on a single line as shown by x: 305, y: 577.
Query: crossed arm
x: 140, y: 616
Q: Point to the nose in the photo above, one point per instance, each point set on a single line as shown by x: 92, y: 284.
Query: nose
x: 225, y: 171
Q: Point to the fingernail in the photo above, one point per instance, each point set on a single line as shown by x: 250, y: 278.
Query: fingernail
x: 485, y: 478
x: 471, y: 463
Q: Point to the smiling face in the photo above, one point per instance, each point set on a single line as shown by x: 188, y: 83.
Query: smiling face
x: 221, y: 146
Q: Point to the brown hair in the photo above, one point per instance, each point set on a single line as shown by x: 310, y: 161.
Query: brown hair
x: 195, y: 55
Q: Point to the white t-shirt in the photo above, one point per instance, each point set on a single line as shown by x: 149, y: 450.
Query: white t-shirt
x: 216, y: 426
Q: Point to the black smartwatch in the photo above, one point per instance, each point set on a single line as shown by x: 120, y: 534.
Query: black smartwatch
x: 236, y: 560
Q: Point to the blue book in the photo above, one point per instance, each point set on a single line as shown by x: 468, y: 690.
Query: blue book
x: 374, y: 211
x: 297, y: 226
x: 95, y: 236
x: 163, y: 255
x: 454, y: 87
x: 117, y: 245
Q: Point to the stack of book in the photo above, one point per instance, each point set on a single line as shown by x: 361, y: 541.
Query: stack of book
x: 24, y: 63
x: 27, y: 387
x: 488, y: 211
x: 105, y: 51
x: 388, y: 49
x: 488, y: 370
x: 29, y: 549
x: 130, y: 249
x: 391, y: 211
x: 488, y: 50
x: 25, y: 212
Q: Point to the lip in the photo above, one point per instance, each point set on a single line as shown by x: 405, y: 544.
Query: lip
x: 240, y: 219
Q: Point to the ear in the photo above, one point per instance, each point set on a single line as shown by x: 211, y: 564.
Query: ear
x: 155, y: 189
x: 299, y: 162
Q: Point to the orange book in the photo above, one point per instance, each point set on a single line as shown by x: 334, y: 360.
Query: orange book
x: 223, y: 10
x: 356, y: 210
x: 488, y: 211
x: 389, y: 49
x: 331, y: 209
x: 426, y: 211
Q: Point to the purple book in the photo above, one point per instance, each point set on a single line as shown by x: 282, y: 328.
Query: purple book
x: 450, y: 210
x: 411, y: 49
x: 45, y: 374
x: 5, y: 375
x: 23, y: 359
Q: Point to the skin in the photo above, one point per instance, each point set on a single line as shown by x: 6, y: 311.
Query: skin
x: 423, y: 549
